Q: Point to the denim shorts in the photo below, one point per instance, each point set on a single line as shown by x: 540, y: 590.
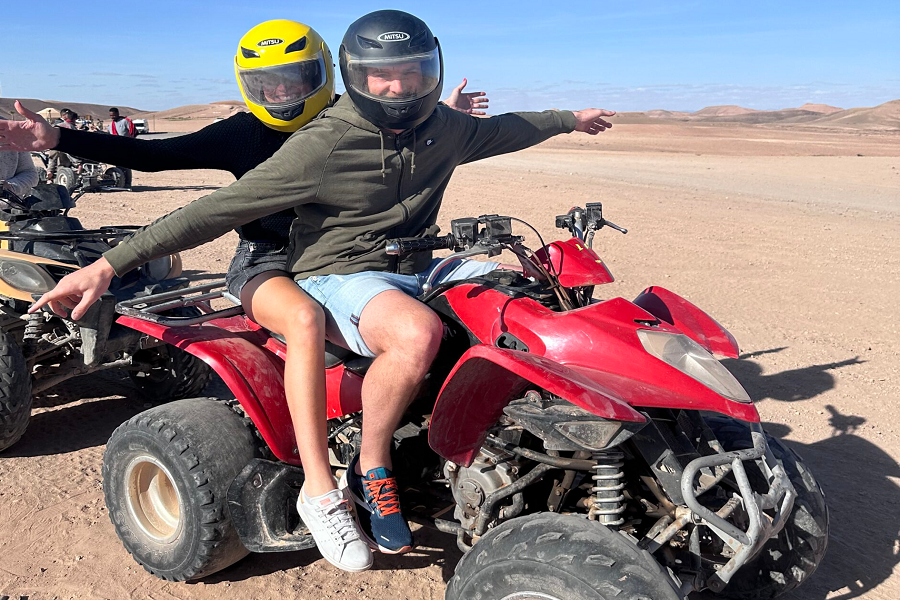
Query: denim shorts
x: 343, y: 297
x: 252, y: 259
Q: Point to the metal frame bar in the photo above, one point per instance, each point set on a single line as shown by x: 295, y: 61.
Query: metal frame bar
x: 762, y: 527
x: 146, y: 308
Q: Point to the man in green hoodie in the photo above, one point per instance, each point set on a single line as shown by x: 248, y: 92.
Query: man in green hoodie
x: 372, y: 167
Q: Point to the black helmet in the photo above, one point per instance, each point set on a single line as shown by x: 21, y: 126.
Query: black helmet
x: 392, y: 68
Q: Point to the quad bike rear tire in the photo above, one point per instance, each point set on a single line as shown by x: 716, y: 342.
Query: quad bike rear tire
x: 176, y: 375
x: 792, y: 557
x: 166, y: 472
x: 548, y: 556
x: 66, y: 177
x: 117, y: 176
x: 129, y: 176
x: 15, y: 392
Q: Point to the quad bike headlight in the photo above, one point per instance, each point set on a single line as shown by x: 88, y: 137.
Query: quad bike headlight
x: 25, y: 276
x: 693, y: 360
x: 595, y: 434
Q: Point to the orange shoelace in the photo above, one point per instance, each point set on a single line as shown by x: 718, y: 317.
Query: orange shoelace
x: 383, y: 494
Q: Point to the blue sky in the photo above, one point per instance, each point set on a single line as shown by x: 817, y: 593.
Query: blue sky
x: 527, y: 55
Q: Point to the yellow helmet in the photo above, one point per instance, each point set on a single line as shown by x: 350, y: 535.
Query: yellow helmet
x: 285, y: 73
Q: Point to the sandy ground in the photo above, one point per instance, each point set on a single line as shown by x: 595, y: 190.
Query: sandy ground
x: 788, y: 237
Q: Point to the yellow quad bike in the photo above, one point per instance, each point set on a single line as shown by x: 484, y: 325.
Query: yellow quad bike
x: 39, y: 244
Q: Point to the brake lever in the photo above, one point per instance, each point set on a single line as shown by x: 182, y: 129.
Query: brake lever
x: 613, y: 225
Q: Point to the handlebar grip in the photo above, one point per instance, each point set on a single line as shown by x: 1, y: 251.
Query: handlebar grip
x: 404, y: 246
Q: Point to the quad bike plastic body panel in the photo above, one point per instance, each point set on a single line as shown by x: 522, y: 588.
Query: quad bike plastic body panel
x: 251, y: 364
x: 486, y: 379
x: 690, y: 320
x: 576, y: 264
x: 598, y: 341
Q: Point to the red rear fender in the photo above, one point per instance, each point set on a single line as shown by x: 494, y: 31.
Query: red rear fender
x: 486, y: 379
x: 693, y: 322
x: 253, y: 374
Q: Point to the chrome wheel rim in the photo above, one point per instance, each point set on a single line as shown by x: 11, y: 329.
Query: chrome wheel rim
x: 529, y: 596
x: 153, y: 499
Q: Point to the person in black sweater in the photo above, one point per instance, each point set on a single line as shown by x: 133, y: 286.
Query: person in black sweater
x: 257, y: 274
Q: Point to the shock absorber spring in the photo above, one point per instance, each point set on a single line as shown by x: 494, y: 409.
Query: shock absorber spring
x: 608, y: 502
x: 33, y: 327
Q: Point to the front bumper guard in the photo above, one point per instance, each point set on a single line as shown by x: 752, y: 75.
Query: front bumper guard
x: 762, y: 526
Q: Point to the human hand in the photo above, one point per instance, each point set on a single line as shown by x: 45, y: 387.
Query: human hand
x: 31, y: 135
x: 78, y: 290
x: 589, y: 120
x: 4, y: 185
x: 469, y: 103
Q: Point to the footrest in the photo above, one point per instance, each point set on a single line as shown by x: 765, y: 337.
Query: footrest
x: 262, y: 501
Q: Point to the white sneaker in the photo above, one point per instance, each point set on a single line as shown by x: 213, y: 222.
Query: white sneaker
x: 332, y: 525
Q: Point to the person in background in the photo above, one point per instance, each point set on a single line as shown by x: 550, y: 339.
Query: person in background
x: 17, y: 172
x: 56, y: 157
x: 119, y: 125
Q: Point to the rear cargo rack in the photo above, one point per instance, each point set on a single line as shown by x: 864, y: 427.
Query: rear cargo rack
x: 149, y: 308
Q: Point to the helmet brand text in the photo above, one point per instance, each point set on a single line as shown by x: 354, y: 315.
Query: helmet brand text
x: 393, y: 36
x: 270, y: 42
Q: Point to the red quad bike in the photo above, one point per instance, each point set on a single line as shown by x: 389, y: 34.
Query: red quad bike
x: 584, y: 449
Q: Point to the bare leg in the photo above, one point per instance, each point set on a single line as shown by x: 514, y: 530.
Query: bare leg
x: 405, y: 336
x: 278, y: 304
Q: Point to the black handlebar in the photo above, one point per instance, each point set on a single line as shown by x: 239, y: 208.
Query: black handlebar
x: 404, y: 246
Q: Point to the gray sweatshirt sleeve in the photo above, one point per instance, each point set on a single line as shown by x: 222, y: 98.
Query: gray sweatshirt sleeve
x: 289, y: 178
x: 510, y: 132
x: 26, y: 176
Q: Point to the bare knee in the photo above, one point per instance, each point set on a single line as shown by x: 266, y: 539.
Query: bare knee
x: 307, y: 319
x: 420, y: 334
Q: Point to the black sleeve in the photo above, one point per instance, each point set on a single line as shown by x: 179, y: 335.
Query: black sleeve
x: 208, y: 148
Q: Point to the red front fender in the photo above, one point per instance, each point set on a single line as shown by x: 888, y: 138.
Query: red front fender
x: 693, y: 322
x: 486, y: 379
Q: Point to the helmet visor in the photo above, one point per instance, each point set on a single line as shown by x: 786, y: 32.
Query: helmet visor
x: 398, y: 79
x: 283, y: 85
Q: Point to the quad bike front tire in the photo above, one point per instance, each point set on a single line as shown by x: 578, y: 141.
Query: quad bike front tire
x: 166, y: 473
x: 792, y: 557
x: 66, y: 177
x: 548, y: 556
x: 175, y: 374
x: 15, y: 392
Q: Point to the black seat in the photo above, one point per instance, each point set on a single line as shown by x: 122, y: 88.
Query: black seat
x: 335, y: 355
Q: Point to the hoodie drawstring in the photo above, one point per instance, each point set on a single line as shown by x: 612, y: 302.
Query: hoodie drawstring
x: 412, y: 168
x: 383, y: 167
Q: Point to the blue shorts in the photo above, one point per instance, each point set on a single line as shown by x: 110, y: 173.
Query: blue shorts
x: 343, y: 297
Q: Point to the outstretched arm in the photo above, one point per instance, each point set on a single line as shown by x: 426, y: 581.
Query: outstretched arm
x: 290, y: 178
x: 511, y: 132
x: 209, y: 148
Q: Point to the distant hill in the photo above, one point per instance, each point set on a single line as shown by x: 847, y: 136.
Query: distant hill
x: 820, y: 108
x: 729, y: 110
x: 8, y: 109
x: 883, y: 116
x: 198, y: 111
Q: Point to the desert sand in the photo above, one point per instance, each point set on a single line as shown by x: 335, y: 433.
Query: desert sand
x: 790, y: 237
